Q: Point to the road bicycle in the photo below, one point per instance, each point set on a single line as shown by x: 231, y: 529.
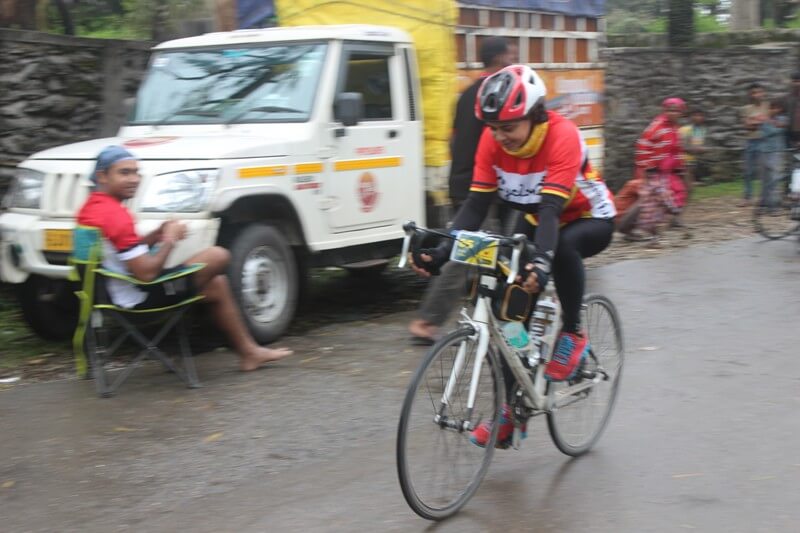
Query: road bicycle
x: 459, y: 384
x: 777, y: 213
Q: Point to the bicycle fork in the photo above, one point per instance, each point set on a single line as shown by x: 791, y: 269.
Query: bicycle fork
x: 458, y: 366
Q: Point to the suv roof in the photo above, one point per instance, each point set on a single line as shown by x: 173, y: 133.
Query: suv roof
x: 357, y: 32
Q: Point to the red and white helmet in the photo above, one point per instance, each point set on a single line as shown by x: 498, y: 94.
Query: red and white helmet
x: 509, y: 94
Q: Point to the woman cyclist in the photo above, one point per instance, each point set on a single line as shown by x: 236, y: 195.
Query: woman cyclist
x: 536, y: 161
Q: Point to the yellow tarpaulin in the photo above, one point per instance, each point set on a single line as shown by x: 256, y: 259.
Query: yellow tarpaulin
x: 430, y: 24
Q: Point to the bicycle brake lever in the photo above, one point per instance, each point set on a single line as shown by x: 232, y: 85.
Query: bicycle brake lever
x: 515, y: 257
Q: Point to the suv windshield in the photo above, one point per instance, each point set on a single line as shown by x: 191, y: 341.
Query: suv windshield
x: 275, y: 83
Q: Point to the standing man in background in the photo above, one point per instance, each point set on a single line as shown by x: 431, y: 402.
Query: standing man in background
x: 441, y: 295
x: 754, y: 114
x: 793, y: 111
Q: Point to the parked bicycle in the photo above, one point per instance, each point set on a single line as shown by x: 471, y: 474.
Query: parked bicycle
x: 777, y: 214
x: 460, y: 383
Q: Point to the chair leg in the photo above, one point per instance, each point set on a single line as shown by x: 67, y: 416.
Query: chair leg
x: 186, y: 354
x: 95, y: 338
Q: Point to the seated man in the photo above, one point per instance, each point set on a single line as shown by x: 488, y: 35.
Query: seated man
x: 117, y: 177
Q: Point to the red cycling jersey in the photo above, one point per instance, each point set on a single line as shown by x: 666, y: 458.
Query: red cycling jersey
x: 560, y: 167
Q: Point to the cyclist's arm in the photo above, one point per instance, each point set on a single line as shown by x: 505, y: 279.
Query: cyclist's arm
x: 563, y: 166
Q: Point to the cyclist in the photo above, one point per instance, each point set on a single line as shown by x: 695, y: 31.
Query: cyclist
x: 535, y: 161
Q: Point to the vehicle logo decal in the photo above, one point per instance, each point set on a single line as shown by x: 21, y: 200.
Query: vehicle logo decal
x: 368, y: 191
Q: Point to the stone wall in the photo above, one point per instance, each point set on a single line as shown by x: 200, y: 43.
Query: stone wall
x: 58, y: 90
x: 714, y: 79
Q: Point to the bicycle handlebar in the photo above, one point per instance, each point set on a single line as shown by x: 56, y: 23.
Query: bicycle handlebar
x: 518, y: 243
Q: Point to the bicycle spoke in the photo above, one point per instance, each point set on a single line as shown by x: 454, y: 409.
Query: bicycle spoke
x: 579, y: 419
x: 439, y: 467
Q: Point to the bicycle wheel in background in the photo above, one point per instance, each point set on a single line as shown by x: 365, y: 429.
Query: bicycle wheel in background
x: 439, y: 468
x: 575, y: 427
x: 772, y: 214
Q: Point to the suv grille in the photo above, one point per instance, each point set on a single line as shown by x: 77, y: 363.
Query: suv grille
x: 64, y: 194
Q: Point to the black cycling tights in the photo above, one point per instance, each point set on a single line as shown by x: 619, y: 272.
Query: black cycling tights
x: 577, y: 240
x: 582, y: 238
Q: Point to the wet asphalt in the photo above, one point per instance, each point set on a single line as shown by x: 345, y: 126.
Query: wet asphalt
x: 705, y: 436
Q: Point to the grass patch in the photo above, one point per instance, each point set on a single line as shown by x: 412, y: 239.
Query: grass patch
x: 718, y: 190
x: 20, y: 344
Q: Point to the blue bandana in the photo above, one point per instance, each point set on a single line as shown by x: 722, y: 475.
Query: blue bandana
x: 109, y: 156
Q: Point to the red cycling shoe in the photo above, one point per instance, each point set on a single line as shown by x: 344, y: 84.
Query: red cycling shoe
x: 570, y: 351
x: 480, y: 436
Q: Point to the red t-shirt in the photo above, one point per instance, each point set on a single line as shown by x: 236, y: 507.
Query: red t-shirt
x: 121, y: 243
x: 560, y: 167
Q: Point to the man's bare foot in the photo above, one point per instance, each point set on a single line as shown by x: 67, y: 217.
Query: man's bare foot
x: 423, y: 329
x: 261, y: 355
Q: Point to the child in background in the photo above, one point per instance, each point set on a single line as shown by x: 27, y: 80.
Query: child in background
x: 693, y: 138
x: 772, y: 145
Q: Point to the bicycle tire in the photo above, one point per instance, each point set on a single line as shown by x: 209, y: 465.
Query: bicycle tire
x: 410, y: 471
x: 772, y: 215
x: 603, y: 394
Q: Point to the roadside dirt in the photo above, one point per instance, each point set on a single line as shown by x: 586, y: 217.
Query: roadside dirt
x: 335, y: 296
x: 707, y: 221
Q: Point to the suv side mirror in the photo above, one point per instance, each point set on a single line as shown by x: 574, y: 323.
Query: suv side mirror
x: 349, y: 108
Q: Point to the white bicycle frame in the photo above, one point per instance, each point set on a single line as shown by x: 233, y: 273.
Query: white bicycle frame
x: 487, y: 329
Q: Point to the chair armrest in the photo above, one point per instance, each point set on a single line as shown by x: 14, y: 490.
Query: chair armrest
x: 189, y: 269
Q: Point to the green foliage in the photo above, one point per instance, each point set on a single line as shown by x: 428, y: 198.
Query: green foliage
x: 707, y: 23
x: 658, y: 25
x: 103, y: 19
x: 620, y: 22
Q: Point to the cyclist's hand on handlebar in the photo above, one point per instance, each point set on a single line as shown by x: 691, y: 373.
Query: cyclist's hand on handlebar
x: 534, y: 278
x: 428, y: 261
x: 536, y: 272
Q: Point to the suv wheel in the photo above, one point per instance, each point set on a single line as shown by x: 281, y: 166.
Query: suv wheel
x: 264, y: 279
x: 49, y: 306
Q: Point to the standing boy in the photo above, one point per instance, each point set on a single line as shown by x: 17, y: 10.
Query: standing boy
x: 772, y: 144
x: 754, y: 114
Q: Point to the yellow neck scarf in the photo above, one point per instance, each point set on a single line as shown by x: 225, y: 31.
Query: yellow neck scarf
x: 533, y: 144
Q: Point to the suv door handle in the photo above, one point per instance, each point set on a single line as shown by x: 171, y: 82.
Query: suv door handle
x: 393, y: 133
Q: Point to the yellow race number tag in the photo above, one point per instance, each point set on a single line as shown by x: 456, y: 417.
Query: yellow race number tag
x: 475, y: 248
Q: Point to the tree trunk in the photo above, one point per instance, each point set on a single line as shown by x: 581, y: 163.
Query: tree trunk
x: 680, y: 28
x: 66, y: 17
x: 745, y: 14
x: 160, y: 21
x: 782, y: 9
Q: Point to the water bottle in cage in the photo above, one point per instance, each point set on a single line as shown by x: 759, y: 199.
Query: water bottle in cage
x: 542, y: 324
x: 516, y: 337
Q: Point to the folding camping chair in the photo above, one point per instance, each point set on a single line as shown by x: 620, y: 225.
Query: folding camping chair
x: 96, y: 308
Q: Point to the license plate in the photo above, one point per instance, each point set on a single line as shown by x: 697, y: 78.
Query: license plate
x: 475, y: 248
x: 58, y: 240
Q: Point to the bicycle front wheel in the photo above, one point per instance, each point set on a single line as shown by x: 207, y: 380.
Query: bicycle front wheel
x: 576, y: 426
x: 772, y: 215
x: 439, y: 468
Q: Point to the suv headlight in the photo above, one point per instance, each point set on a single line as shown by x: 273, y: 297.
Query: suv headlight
x: 188, y: 191
x: 26, y: 189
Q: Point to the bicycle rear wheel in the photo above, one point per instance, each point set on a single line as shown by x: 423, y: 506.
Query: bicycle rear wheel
x: 575, y: 427
x: 439, y: 468
x: 772, y: 215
